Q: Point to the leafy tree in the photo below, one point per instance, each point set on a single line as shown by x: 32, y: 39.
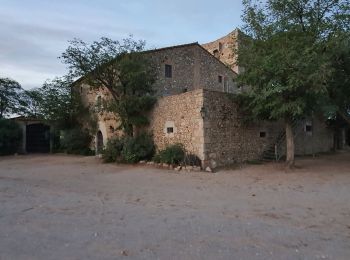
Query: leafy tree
x: 10, y: 136
x: 32, y: 100
x: 60, y: 104
x: 285, y: 59
x: 122, y: 69
x: 10, y: 97
x: 339, y: 83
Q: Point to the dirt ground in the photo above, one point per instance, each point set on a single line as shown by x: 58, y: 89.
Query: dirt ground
x: 70, y: 207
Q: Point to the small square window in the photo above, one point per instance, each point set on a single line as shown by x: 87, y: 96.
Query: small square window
x: 220, y: 79
x: 170, y: 130
x: 216, y: 53
x: 262, y: 134
x: 168, y: 71
x: 308, y: 128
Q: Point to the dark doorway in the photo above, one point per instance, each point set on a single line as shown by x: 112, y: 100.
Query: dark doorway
x: 99, y: 144
x: 38, y: 138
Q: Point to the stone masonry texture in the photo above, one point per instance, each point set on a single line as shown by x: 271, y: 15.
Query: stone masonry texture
x: 196, y: 108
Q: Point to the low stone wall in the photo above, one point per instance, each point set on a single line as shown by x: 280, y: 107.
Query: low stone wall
x: 228, y: 137
x: 177, y: 119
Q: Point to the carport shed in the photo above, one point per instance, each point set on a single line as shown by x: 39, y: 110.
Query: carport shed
x: 36, y: 135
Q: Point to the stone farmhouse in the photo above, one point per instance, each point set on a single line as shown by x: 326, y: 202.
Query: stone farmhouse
x: 195, y: 84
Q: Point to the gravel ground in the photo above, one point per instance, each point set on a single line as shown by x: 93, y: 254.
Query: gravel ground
x: 70, y: 207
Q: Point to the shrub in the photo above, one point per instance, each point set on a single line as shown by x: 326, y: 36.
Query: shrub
x: 173, y: 154
x: 192, y: 159
x: 137, y: 148
x: 129, y: 149
x: 10, y: 136
x: 113, y: 150
x: 76, y: 141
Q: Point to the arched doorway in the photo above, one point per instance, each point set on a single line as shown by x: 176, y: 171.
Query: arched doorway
x: 99, y: 142
x: 37, y: 138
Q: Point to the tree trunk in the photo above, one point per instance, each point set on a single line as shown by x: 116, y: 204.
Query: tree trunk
x: 289, y: 144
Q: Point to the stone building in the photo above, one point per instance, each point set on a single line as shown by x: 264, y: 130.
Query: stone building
x: 223, y: 48
x: 195, y: 87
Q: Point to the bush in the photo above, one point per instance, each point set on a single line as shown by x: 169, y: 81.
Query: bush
x: 10, y: 136
x: 137, y: 148
x: 129, y: 149
x: 113, y: 150
x: 192, y: 159
x: 76, y: 141
x: 173, y: 154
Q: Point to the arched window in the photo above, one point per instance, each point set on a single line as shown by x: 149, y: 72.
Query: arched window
x: 98, y: 105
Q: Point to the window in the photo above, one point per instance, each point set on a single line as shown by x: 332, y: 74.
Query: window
x: 226, y: 88
x: 308, y: 127
x: 220, y: 79
x: 168, y: 71
x: 216, y: 53
x: 170, y: 130
x: 262, y: 134
x: 220, y: 46
x: 98, y: 104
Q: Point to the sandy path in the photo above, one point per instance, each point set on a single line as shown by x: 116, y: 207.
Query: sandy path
x: 60, y: 207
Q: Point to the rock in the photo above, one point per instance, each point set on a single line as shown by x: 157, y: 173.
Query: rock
x: 124, y: 253
x: 189, y: 168
x: 208, y: 169
x: 150, y: 163
x: 178, y: 168
x: 142, y: 162
x: 213, y: 164
x: 165, y: 165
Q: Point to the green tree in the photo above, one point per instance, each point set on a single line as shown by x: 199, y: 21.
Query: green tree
x: 285, y: 59
x: 10, y: 136
x: 10, y: 97
x: 32, y: 100
x: 59, y: 103
x: 339, y: 83
x: 122, y: 69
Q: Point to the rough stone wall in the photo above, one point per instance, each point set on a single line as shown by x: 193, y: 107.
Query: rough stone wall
x: 222, y: 49
x: 320, y: 139
x: 107, y: 123
x: 228, y: 137
x: 192, y: 68
x: 210, y: 70
x: 182, y: 113
x: 182, y: 60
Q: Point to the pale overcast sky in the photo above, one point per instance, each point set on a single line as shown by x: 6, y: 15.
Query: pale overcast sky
x: 33, y: 33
